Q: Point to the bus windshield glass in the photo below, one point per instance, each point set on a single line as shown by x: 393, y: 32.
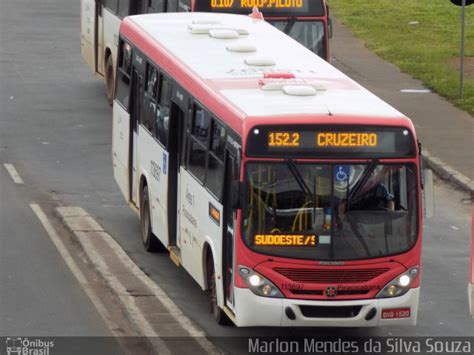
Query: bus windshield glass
x: 310, y: 34
x: 330, y: 211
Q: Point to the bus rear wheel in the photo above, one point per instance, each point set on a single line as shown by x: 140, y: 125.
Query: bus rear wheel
x: 150, y: 242
x: 109, y: 79
x: 219, y: 315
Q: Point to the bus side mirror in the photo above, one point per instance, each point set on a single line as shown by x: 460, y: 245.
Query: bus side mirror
x: 238, y: 191
x: 428, y: 193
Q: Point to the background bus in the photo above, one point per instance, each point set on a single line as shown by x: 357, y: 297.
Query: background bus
x: 284, y: 187
x: 307, y: 21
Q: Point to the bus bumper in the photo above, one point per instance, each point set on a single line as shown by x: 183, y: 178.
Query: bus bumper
x: 253, y: 310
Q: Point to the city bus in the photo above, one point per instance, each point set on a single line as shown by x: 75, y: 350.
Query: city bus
x: 285, y: 189
x: 307, y: 21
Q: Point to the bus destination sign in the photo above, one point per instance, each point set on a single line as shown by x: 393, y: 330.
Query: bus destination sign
x: 267, y: 7
x: 285, y: 240
x: 260, y: 4
x: 321, y: 142
x: 323, y: 139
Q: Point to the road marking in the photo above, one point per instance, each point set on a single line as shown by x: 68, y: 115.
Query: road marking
x: 415, y: 91
x: 76, y: 216
x: 13, y: 173
x: 75, y: 269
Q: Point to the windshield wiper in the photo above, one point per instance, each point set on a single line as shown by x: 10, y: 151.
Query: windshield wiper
x: 289, y: 25
x: 299, y: 179
x: 362, y: 181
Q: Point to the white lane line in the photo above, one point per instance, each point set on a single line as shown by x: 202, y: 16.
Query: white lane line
x: 159, y: 293
x: 13, y: 173
x: 114, y: 328
x: 415, y: 91
x: 67, y: 213
x: 122, y: 293
x: 130, y: 304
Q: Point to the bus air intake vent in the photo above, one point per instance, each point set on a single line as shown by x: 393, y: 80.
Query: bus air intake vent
x: 260, y: 61
x: 338, y: 276
x: 330, y: 311
x: 288, y: 82
x: 223, y: 34
x: 297, y: 90
x: 202, y: 29
x: 207, y: 28
x: 241, y: 48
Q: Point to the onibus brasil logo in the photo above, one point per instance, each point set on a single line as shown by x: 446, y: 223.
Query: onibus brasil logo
x: 26, y: 346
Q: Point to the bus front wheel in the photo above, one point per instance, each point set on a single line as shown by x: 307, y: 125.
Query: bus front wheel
x: 109, y: 79
x: 219, y: 315
x: 150, y: 242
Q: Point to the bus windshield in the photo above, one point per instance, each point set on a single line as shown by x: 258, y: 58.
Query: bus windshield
x: 308, y: 33
x: 330, y: 212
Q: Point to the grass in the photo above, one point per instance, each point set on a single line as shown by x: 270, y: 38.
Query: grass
x: 422, y: 50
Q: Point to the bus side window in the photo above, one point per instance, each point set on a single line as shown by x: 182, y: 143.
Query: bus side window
x: 124, y: 74
x: 156, y: 6
x: 124, y: 8
x: 149, y: 105
x: 163, y: 111
x: 198, y: 143
x: 200, y: 127
x: 215, y: 168
x: 111, y: 5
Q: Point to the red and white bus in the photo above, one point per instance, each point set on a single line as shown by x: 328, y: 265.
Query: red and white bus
x: 283, y: 186
x: 307, y: 21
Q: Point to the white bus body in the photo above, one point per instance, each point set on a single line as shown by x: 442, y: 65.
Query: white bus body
x: 185, y: 216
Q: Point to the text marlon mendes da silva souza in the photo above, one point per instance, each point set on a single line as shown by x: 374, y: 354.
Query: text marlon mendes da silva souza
x: 369, y: 346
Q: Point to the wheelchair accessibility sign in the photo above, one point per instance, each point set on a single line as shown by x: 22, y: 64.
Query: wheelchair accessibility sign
x: 342, y: 172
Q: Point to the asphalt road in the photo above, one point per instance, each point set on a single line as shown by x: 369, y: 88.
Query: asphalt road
x: 39, y: 296
x: 55, y: 127
x: 37, y: 289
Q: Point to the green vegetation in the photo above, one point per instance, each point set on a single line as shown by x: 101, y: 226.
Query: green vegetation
x: 421, y: 37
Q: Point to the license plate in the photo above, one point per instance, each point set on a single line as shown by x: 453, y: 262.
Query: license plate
x: 396, y: 313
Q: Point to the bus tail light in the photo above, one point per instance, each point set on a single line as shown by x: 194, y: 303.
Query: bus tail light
x: 399, y: 285
x: 258, y: 284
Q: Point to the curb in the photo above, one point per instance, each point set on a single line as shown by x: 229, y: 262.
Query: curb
x: 131, y: 287
x: 446, y: 172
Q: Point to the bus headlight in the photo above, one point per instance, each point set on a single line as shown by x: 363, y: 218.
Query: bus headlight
x: 259, y: 284
x: 399, y: 285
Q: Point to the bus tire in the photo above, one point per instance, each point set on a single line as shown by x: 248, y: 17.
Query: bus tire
x: 150, y: 242
x: 219, y: 315
x: 109, y: 79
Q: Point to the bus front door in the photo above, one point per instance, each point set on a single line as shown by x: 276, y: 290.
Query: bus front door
x: 230, y: 174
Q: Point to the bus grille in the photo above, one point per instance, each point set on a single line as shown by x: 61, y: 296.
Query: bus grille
x: 330, y: 311
x: 331, y: 276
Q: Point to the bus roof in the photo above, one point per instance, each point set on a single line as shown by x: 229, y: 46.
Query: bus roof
x: 229, y: 85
